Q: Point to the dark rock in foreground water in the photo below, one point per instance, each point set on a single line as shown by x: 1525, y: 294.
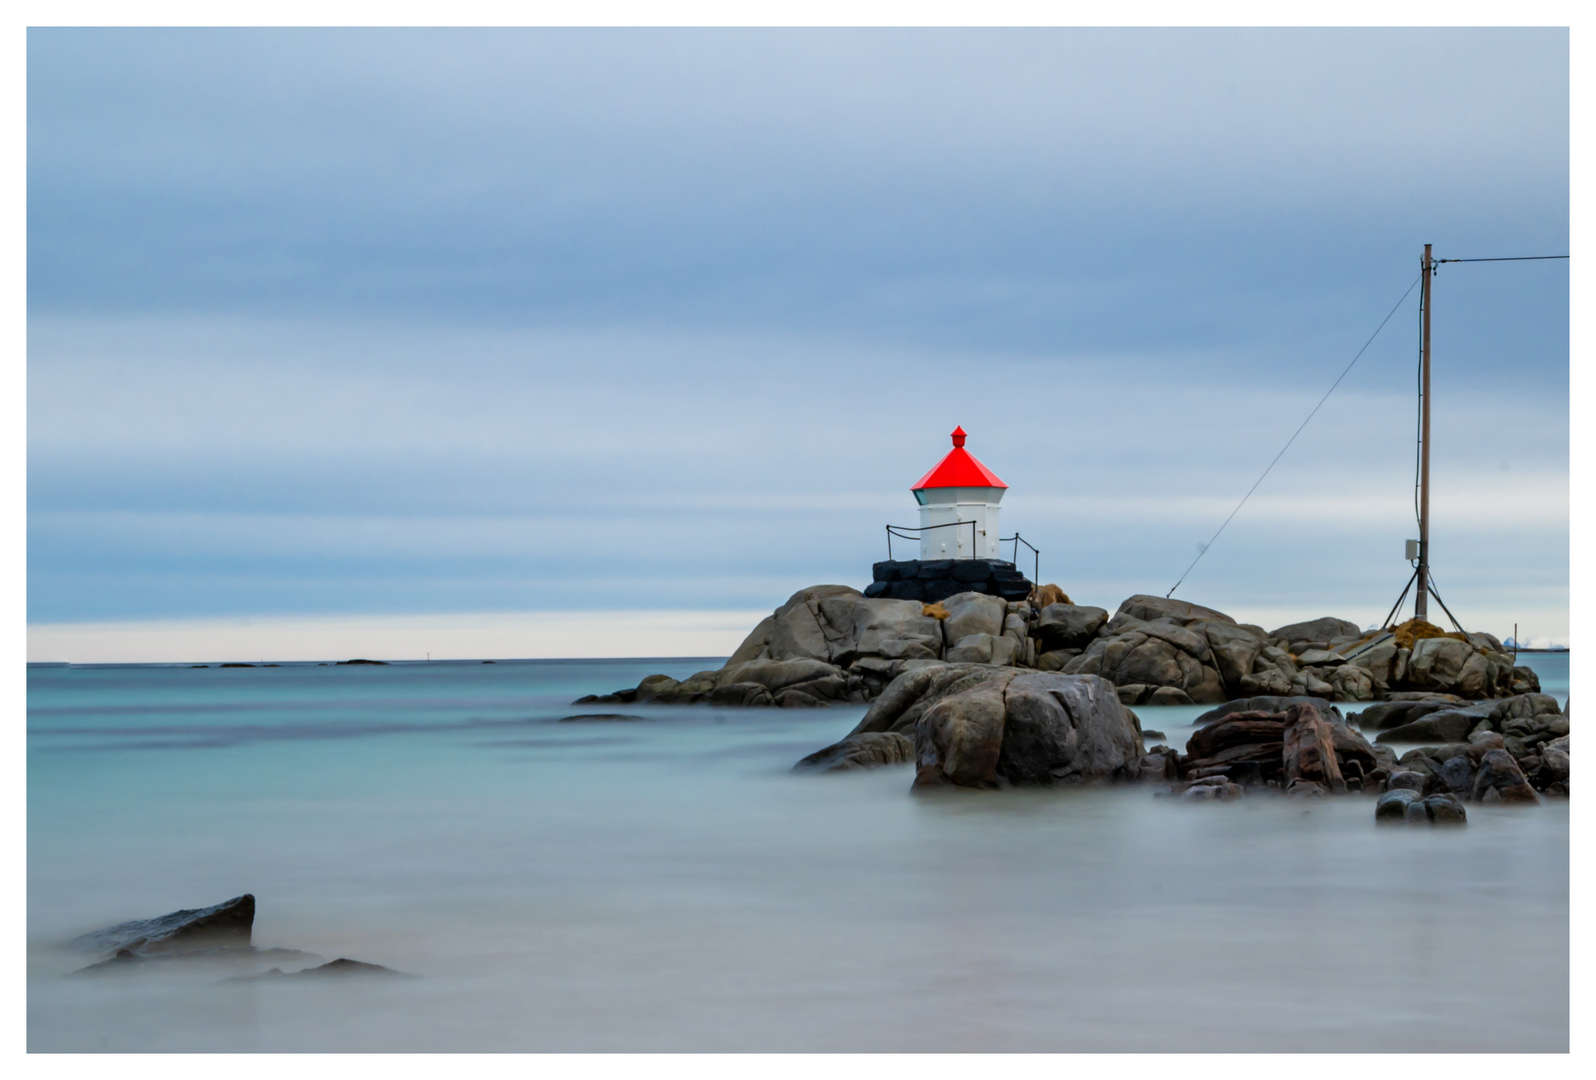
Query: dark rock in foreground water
x: 601, y: 718
x: 1403, y: 806
x: 343, y: 967
x: 228, y: 924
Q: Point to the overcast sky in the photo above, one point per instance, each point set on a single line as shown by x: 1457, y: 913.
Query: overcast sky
x: 328, y: 324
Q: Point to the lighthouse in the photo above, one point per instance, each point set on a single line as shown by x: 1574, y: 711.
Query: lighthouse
x: 959, y: 506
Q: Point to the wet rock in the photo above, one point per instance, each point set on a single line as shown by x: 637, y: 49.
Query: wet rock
x: 1158, y: 767
x: 1500, y: 774
x: 1215, y: 789
x: 343, y: 967
x: 980, y: 726
x: 1407, y: 780
x: 228, y: 924
x: 866, y: 750
x: 958, y: 739
x: 1441, y: 726
x: 1445, y: 810
x: 601, y: 718
x: 1458, y: 775
x: 1392, y: 807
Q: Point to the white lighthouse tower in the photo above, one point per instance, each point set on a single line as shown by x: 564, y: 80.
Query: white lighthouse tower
x: 960, y: 497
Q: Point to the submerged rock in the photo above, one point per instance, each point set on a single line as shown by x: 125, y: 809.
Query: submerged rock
x: 228, y: 924
x: 865, y: 750
x: 343, y: 967
x: 601, y: 718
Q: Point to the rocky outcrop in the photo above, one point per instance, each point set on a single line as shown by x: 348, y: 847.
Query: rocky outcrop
x: 831, y: 644
x: 974, y: 725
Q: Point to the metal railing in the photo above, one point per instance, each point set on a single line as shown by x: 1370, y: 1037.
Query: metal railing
x: 908, y: 532
x: 1036, y: 556
x: 902, y: 533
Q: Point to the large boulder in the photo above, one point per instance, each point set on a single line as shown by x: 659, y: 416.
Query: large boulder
x: 972, y: 613
x: 976, y: 725
x: 1152, y: 643
x: 1031, y: 728
x: 1068, y: 626
x: 1315, y: 634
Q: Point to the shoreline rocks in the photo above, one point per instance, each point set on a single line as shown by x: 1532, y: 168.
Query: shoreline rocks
x: 831, y: 645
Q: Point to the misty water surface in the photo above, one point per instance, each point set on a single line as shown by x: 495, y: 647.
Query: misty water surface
x: 670, y: 885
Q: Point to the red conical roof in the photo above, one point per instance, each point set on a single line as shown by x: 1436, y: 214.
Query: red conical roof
x: 959, y: 469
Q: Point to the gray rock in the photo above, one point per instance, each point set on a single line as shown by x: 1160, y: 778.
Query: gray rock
x: 1065, y: 730
x: 1314, y: 634
x: 1068, y: 626
x: 971, y: 649
x: 1442, y: 726
x: 972, y: 613
x: 983, y: 726
x: 1319, y: 657
x: 1445, y: 810
x: 1458, y: 774
x: 866, y: 750
x: 1439, y: 663
x: 1407, y: 780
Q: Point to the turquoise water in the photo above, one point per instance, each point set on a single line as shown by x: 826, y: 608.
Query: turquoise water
x: 670, y: 885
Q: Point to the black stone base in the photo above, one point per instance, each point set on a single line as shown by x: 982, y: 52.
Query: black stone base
x: 938, y: 579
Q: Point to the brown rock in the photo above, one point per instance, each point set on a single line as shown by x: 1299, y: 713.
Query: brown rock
x: 1309, y: 749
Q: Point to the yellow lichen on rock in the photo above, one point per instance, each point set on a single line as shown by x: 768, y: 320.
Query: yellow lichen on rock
x: 936, y: 610
x: 1043, y: 595
x: 1417, y: 630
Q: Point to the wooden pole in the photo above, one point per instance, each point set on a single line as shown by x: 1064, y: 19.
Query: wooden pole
x: 1421, y: 603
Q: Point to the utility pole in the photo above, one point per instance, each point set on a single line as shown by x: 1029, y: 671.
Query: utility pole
x: 1421, y: 603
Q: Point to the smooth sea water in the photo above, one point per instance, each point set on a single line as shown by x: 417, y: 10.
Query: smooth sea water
x: 670, y: 885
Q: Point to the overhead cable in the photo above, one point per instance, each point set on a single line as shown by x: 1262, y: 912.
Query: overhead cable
x: 1204, y: 549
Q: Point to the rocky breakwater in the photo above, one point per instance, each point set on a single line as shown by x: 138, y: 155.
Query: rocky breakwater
x: 975, y: 725
x: 831, y: 644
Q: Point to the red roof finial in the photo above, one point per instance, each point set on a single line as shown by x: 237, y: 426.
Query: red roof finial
x: 959, y: 469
